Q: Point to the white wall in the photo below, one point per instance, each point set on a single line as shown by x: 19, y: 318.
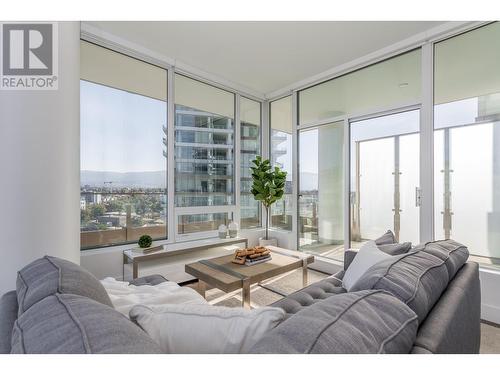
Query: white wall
x: 490, y: 297
x: 40, y: 167
x: 286, y: 239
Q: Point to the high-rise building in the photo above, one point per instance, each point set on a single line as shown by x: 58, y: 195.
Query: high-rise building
x: 204, y: 160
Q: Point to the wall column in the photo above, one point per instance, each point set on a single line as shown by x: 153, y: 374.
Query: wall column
x: 40, y: 167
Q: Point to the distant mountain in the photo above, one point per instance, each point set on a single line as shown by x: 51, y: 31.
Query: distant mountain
x: 155, y: 179
x: 308, y: 181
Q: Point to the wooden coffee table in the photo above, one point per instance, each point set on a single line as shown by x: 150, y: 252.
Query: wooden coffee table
x: 221, y: 273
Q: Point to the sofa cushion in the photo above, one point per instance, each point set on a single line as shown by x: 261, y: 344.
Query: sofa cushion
x: 67, y: 323
x: 309, y: 295
x: 368, y: 255
x: 417, y: 278
x: 396, y: 248
x: 452, y: 253
x: 8, y: 315
x: 205, y: 329
x: 369, y: 321
x: 349, y: 256
x: 386, y: 239
x: 49, y: 275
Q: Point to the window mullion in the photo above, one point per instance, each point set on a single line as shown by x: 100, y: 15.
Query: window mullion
x: 427, y: 145
x: 171, y: 157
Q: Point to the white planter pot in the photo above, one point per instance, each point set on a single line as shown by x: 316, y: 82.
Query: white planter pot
x: 269, y: 242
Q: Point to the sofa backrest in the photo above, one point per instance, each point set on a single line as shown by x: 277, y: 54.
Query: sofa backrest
x: 8, y: 315
x: 71, y: 324
x: 453, y: 326
x: 59, y: 307
x: 453, y: 323
x: 419, y: 277
x: 49, y: 275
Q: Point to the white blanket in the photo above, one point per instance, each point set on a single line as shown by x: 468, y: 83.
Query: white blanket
x: 125, y: 296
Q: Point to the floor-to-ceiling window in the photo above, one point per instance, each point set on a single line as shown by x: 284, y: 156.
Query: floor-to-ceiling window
x: 467, y: 141
x: 281, y: 155
x: 204, y: 157
x: 321, y: 190
x: 250, y: 147
x: 123, y: 118
x: 384, y: 155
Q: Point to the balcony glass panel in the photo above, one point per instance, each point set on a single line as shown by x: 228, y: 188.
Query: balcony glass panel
x: 467, y: 141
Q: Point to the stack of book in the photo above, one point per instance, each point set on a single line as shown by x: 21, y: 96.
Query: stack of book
x: 259, y: 259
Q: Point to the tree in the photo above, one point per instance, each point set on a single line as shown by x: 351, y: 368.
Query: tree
x: 156, y: 206
x: 97, y: 210
x: 114, y: 206
x: 140, y: 205
x: 268, y: 185
x: 84, y: 215
x: 137, y: 221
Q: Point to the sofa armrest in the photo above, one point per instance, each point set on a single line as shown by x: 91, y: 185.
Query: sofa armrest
x: 148, y: 280
x: 349, y: 257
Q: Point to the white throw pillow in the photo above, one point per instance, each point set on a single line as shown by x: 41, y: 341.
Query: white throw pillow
x: 368, y: 255
x: 204, y: 329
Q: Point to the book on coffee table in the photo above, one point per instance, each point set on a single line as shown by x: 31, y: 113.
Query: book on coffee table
x: 251, y: 262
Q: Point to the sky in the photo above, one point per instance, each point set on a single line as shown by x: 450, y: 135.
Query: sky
x: 120, y: 131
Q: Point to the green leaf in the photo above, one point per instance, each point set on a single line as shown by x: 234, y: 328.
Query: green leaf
x: 268, y: 181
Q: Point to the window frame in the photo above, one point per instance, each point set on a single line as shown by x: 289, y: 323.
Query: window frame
x: 426, y: 106
x: 293, y: 150
x: 174, y: 212
x: 261, y: 153
x: 167, y: 187
x: 194, y: 210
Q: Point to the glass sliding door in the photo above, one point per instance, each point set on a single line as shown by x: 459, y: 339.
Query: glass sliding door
x: 376, y: 186
x: 384, y: 158
x: 321, y: 190
x: 409, y: 166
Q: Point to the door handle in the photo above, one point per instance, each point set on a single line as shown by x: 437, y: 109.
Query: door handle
x: 418, y: 197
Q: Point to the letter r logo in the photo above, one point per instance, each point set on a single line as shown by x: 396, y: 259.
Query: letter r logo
x: 27, y: 49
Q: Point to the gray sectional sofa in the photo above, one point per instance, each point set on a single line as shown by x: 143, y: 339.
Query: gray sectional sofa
x: 423, y: 301
x: 433, y: 279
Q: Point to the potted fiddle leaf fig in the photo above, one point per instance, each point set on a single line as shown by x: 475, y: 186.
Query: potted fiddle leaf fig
x: 268, y: 187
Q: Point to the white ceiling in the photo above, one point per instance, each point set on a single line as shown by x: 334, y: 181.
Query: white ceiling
x: 264, y: 56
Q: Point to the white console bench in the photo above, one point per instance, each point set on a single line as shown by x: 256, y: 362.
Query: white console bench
x: 136, y: 256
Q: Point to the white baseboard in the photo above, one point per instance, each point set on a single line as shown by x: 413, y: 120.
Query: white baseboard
x: 490, y: 313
